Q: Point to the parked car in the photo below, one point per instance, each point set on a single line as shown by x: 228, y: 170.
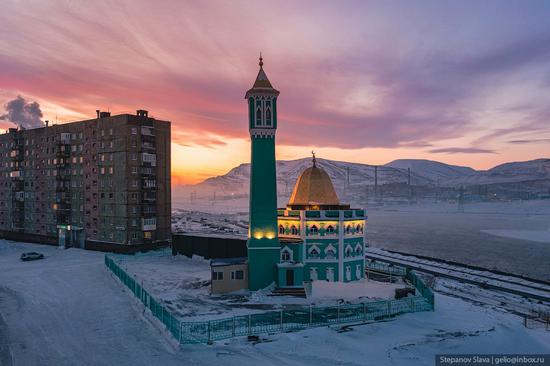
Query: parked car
x: 31, y: 256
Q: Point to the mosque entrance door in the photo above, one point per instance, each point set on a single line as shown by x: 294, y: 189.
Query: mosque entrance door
x: 290, y: 277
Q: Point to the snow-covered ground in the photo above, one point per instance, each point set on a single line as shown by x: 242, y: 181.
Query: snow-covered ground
x: 542, y: 236
x: 183, y: 285
x: 68, y: 309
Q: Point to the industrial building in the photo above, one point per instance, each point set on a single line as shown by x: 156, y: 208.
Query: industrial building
x: 102, y: 183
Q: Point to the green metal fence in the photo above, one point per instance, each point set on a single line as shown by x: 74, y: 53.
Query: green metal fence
x: 276, y: 321
x: 385, y: 267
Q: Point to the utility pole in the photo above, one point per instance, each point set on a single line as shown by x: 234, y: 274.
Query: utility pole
x: 376, y: 181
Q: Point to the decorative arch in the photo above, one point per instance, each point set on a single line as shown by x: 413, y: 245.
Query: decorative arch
x: 348, y: 251
x: 287, y: 254
x: 358, y: 249
x: 330, y: 252
x: 314, y: 230
x: 313, y: 251
x: 294, y: 230
x: 281, y: 229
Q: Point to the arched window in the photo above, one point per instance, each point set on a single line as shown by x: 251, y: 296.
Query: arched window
x: 294, y: 230
x: 268, y: 117
x: 258, y: 117
x: 330, y: 229
x: 313, y: 251
x: 349, y: 251
x: 358, y: 249
x: 359, y: 228
x: 286, y: 255
x: 330, y: 252
x: 348, y: 229
x: 313, y: 230
x: 281, y: 229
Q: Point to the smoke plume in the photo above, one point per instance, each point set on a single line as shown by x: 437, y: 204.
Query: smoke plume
x: 23, y: 113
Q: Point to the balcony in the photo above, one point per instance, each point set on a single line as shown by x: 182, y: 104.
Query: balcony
x: 19, y: 196
x: 149, y: 224
x: 149, y: 197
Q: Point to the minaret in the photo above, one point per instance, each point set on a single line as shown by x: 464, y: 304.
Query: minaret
x: 263, y: 243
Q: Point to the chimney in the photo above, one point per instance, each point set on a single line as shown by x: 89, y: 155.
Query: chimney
x: 142, y: 113
x: 47, y: 123
x: 97, y: 111
x: 104, y: 114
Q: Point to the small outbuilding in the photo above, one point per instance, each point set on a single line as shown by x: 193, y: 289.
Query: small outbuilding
x: 229, y: 275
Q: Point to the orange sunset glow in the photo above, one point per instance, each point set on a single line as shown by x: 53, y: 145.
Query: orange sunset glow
x: 360, y: 83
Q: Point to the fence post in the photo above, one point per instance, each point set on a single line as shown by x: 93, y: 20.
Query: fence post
x: 249, y: 323
x: 233, y: 332
x: 281, y: 320
x: 412, y: 304
x: 310, y: 314
x: 364, y: 311
x: 338, y: 312
x: 389, y: 307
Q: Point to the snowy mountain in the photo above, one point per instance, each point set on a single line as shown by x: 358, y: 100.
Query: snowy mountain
x: 354, y: 176
x: 515, y: 172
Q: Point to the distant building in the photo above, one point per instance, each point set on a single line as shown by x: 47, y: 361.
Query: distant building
x: 102, y: 183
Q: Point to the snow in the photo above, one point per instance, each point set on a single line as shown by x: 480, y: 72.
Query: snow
x: 351, y: 291
x: 182, y: 284
x: 68, y: 309
x: 542, y: 236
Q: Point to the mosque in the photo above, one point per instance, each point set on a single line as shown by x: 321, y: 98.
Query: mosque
x: 315, y: 237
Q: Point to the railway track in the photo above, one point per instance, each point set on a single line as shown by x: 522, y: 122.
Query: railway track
x: 537, y: 290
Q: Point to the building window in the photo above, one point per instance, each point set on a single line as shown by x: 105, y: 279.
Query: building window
x: 348, y: 229
x: 294, y: 230
x: 348, y: 273
x: 313, y: 251
x: 134, y: 235
x: 286, y: 255
x: 330, y: 252
x: 268, y: 117
x: 330, y: 229
x: 358, y: 249
x: 217, y: 275
x: 134, y: 131
x: 134, y: 170
x: 358, y: 272
x: 258, y: 117
x: 237, y: 275
x: 313, y: 230
x: 359, y: 228
x: 281, y: 229
x: 349, y: 251
x: 313, y: 274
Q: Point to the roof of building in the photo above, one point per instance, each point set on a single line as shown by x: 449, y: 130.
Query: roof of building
x: 220, y: 262
x: 314, y: 188
x: 262, y: 85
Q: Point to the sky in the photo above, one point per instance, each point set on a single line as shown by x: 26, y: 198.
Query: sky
x: 462, y: 82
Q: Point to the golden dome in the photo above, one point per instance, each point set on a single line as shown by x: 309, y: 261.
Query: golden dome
x: 313, y: 188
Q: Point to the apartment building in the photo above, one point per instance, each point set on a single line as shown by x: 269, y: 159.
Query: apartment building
x: 102, y: 183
